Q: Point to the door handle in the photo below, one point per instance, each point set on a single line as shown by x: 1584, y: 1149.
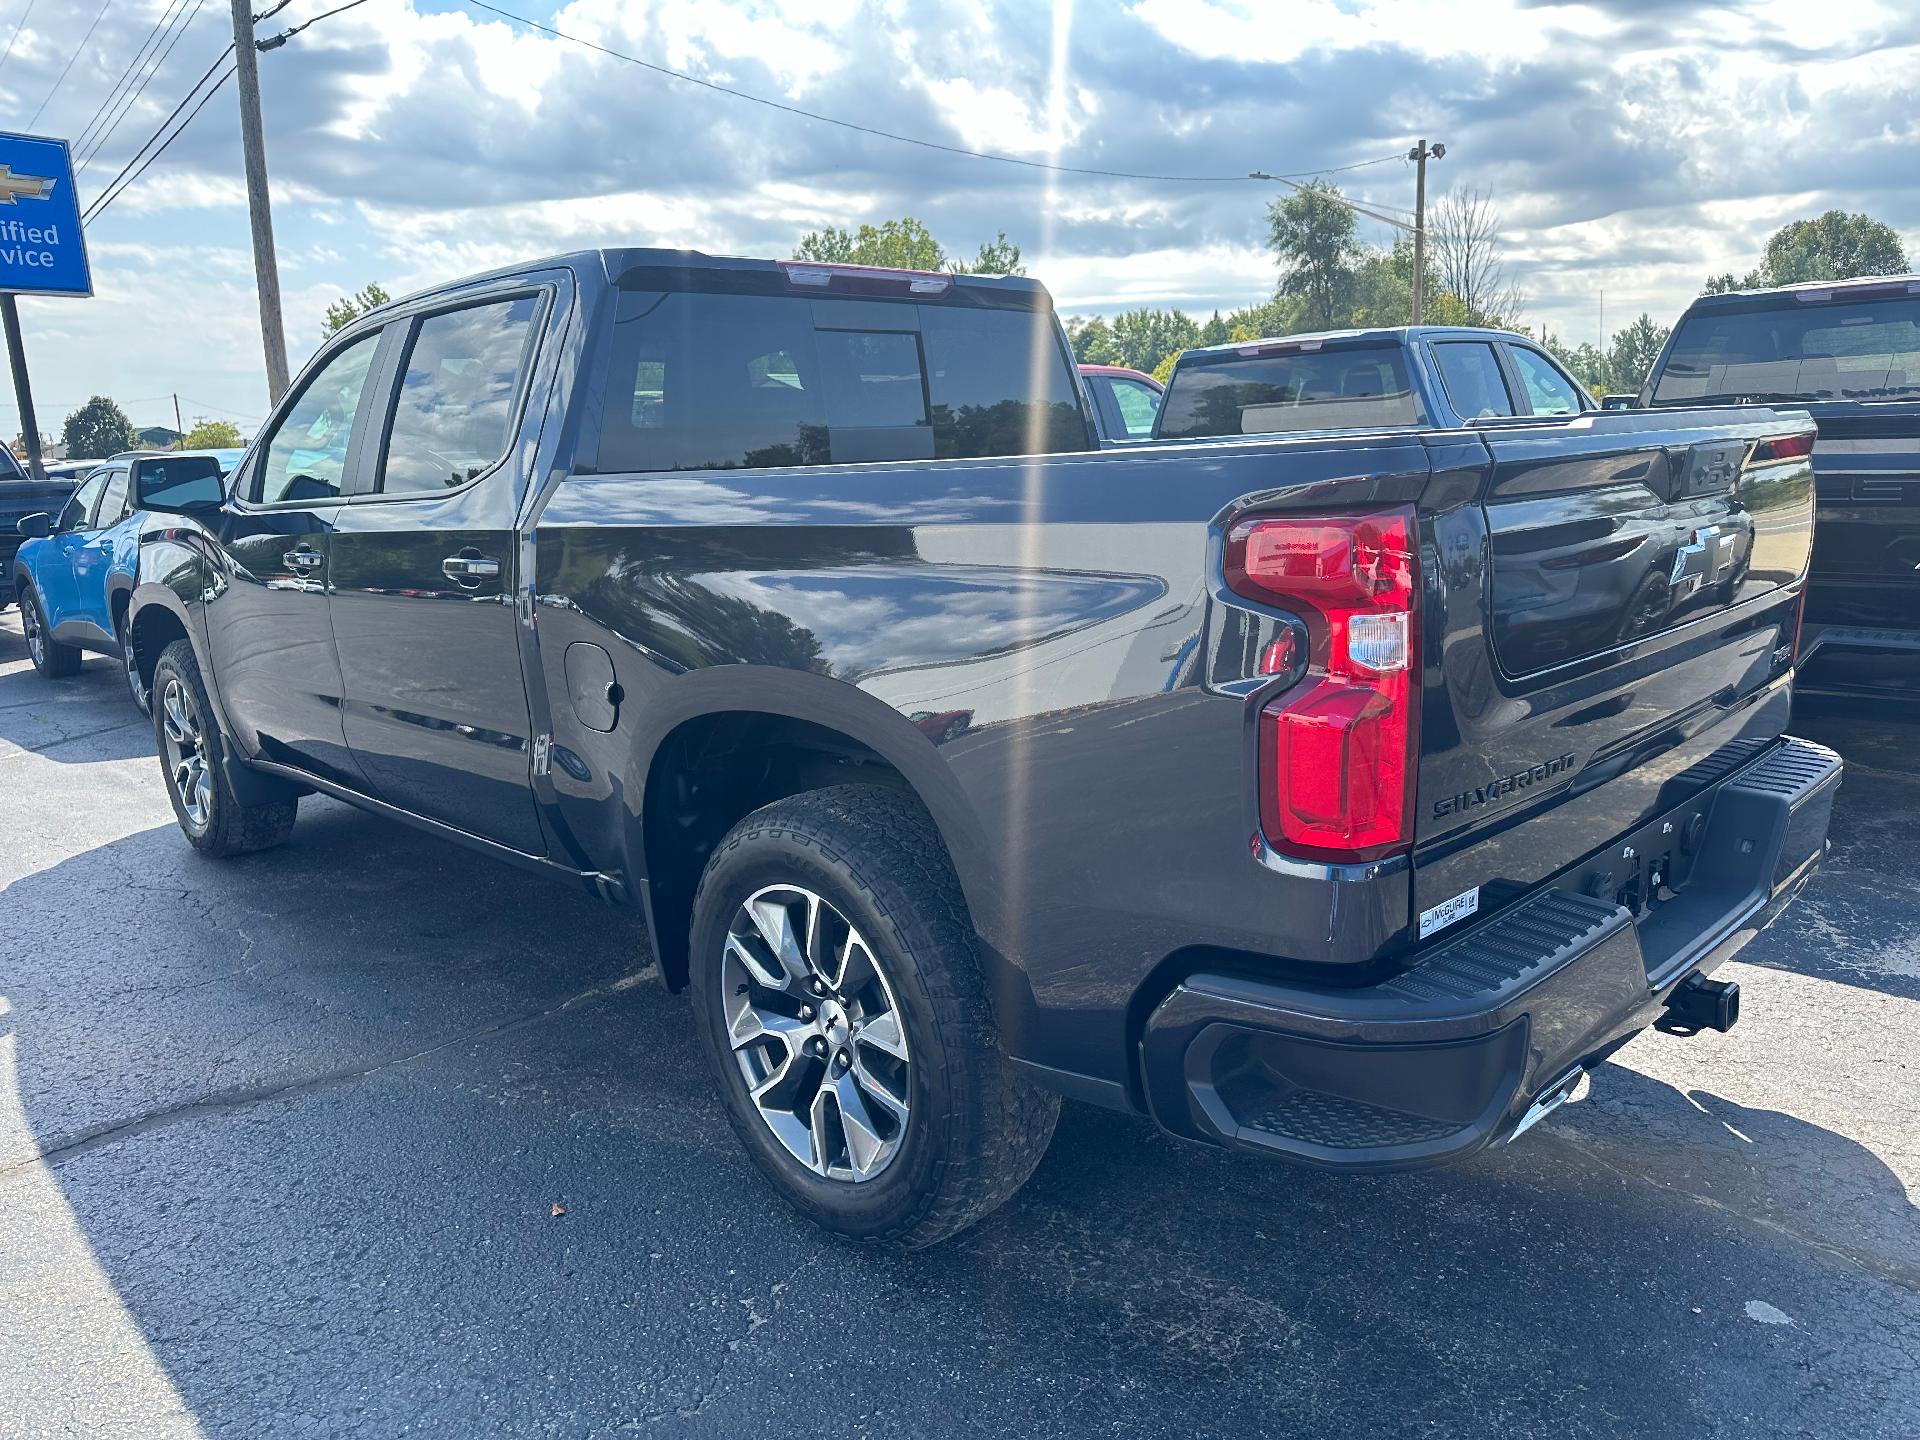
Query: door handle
x: 304, y: 559
x: 469, y: 569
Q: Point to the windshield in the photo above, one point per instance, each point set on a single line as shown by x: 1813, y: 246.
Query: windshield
x: 1840, y: 350
x: 1353, y: 388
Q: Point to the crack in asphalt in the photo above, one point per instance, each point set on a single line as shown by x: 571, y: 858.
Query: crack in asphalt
x: 1894, y: 1272
x: 229, y: 1101
x: 15, y: 753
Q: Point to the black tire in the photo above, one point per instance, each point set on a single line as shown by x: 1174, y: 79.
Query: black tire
x: 976, y: 1128
x: 223, y: 825
x: 136, y: 687
x: 49, y: 656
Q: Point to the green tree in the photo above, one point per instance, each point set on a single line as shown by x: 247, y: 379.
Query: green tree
x: 1585, y: 362
x: 1633, y: 350
x: 349, y: 308
x: 1313, y: 239
x: 1092, y: 340
x: 903, y: 244
x: 1835, y: 246
x: 999, y: 256
x: 211, y: 435
x: 1143, y: 338
x: 97, y: 429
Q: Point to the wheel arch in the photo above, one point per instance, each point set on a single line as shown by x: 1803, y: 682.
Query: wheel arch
x: 156, y: 619
x: 719, y: 743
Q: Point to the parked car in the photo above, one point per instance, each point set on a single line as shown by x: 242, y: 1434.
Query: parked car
x: 1124, y: 401
x: 21, y: 496
x: 73, y: 574
x: 1419, y: 377
x: 1849, y: 354
x: 1343, y: 798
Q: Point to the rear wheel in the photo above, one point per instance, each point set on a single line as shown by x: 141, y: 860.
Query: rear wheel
x: 49, y: 656
x: 839, y: 994
x: 136, y: 686
x: 211, y: 815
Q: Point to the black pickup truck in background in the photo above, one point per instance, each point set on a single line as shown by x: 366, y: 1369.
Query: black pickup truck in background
x: 1340, y: 797
x: 21, y: 496
x: 1848, y: 353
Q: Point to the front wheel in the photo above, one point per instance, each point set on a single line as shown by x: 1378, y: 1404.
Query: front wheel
x: 211, y: 815
x: 839, y: 994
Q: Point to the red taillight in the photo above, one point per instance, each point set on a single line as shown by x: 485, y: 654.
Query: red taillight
x: 1784, y: 447
x: 1336, y: 751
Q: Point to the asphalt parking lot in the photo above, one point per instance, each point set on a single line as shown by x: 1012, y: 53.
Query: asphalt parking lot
x: 282, y: 1143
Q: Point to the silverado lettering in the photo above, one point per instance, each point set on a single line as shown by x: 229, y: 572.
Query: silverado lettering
x: 1505, y: 785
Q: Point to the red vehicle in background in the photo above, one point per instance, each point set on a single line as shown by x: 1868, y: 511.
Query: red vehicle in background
x: 1125, y: 401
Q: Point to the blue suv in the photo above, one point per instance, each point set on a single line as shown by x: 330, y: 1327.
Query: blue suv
x: 74, y: 572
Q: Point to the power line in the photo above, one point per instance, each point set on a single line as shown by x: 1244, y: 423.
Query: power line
x: 274, y: 42
x: 177, y: 35
x: 18, y: 26
x: 105, y: 6
x: 114, y: 90
x: 97, y: 203
x: 108, y: 197
x: 787, y: 109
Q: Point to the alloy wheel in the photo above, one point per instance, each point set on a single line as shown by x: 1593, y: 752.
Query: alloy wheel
x: 186, y: 754
x: 817, y: 1033
x: 132, y: 663
x: 30, y: 626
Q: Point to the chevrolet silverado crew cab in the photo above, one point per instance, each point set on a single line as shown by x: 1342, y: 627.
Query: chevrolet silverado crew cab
x: 1342, y: 798
x: 1849, y: 354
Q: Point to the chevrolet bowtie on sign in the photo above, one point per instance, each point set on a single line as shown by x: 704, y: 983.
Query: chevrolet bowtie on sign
x: 42, y: 248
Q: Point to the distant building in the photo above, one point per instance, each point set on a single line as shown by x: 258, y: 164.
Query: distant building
x: 158, y: 437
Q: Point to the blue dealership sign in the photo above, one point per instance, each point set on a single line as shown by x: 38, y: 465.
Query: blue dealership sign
x: 43, y: 250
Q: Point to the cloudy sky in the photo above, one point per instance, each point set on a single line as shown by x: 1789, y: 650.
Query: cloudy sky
x: 1635, y: 146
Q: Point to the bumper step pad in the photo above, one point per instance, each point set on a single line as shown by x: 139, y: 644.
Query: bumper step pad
x: 1444, y: 1057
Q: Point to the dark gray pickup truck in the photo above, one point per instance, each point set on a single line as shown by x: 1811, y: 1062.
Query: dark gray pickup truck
x: 1847, y: 352
x: 1344, y: 798
x: 21, y: 496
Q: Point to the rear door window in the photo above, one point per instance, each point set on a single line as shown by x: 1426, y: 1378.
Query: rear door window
x: 1548, y: 391
x: 705, y: 382
x: 113, y: 501
x: 1471, y: 372
x: 453, y: 417
x: 78, y: 513
x: 1341, y: 389
x: 1138, y: 405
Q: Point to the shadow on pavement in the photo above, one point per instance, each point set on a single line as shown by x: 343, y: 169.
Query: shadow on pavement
x: 312, y: 1112
x: 43, y: 716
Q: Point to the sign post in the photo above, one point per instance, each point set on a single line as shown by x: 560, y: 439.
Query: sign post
x: 43, y: 251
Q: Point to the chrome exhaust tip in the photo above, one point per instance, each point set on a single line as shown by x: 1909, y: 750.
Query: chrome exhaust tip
x: 1574, y: 1085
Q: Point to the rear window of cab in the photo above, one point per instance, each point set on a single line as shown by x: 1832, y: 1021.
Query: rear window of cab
x: 700, y: 381
x: 1259, y: 394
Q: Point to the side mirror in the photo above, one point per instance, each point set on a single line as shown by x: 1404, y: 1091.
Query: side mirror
x: 35, y: 527
x: 1618, y: 402
x: 178, y: 484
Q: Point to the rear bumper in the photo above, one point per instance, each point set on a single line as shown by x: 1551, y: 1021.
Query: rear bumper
x: 1450, y: 1055
x: 1858, y: 660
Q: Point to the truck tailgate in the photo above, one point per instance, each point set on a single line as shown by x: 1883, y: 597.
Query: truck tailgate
x: 1614, y: 629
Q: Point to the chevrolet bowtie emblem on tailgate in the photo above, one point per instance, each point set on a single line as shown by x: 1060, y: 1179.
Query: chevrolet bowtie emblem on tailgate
x: 1703, y: 560
x: 14, y: 187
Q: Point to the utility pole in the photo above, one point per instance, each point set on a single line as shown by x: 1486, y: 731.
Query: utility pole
x: 179, y: 429
x: 22, y: 391
x: 1420, y: 154
x: 266, y: 270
